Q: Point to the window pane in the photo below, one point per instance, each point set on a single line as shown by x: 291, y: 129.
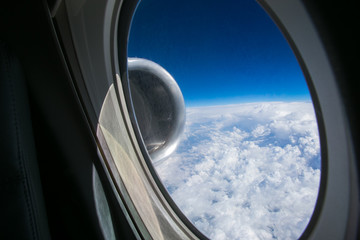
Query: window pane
x: 248, y: 163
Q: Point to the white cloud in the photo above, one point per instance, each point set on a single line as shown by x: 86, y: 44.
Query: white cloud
x: 248, y: 171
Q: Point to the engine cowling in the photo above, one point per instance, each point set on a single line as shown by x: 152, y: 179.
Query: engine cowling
x: 159, y: 106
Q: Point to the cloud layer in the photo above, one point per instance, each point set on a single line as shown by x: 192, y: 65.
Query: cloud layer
x: 248, y: 171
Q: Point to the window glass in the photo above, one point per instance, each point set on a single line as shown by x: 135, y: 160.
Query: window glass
x: 248, y: 163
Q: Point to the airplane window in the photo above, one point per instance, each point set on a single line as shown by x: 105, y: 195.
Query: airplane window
x: 245, y: 158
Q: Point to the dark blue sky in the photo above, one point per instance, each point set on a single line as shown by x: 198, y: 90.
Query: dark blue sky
x: 219, y: 52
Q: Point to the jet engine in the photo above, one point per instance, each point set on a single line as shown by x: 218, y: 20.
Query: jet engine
x: 158, y: 105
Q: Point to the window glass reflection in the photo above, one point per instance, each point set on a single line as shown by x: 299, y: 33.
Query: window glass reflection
x: 248, y: 163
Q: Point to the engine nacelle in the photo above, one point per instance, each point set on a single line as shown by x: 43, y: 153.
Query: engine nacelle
x: 159, y: 106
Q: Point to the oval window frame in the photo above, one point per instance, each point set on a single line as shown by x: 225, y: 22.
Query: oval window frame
x: 336, y: 210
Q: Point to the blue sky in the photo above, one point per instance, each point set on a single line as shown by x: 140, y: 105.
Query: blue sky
x: 218, y: 52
